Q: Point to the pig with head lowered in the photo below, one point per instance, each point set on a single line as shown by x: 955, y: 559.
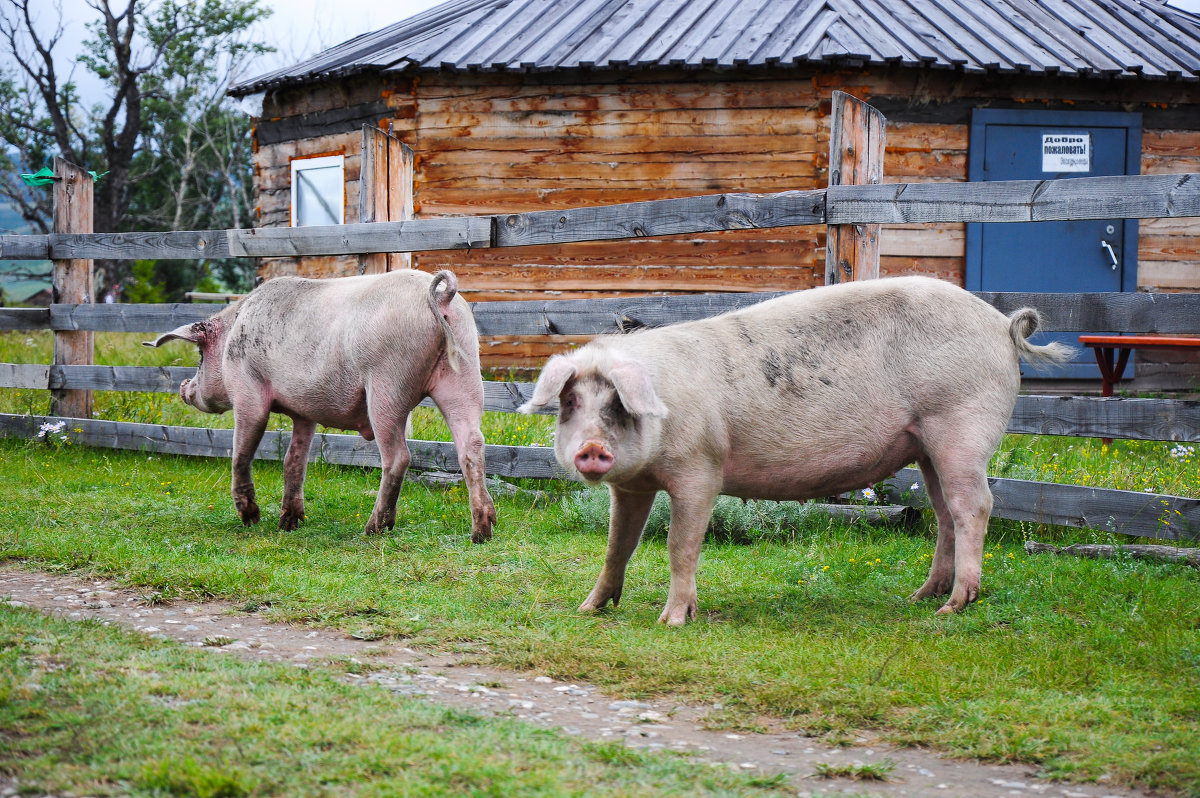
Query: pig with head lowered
x: 355, y: 353
x: 803, y: 396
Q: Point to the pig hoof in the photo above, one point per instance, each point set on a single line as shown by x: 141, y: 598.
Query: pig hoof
x: 947, y: 609
x: 249, y: 514
x: 288, y: 522
x: 928, y: 590
x: 377, y: 528
x: 678, y: 616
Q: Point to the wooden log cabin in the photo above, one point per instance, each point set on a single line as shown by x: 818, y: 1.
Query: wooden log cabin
x: 520, y: 105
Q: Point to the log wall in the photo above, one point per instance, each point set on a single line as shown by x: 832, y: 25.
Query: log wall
x: 496, y: 143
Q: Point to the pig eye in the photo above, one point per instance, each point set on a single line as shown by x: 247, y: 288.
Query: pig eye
x: 567, y: 404
x: 616, y: 413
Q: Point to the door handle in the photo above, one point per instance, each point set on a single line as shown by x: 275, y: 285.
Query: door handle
x: 1111, y: 254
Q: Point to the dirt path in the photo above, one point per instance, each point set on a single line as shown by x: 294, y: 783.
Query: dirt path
x: 575, y: 708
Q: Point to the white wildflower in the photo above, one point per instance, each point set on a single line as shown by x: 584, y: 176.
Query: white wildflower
x: 49, y: 428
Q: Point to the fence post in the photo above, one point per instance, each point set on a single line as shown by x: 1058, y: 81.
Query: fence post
x: 73, y: 283
x: 856, y: 143
x: 385, y: 193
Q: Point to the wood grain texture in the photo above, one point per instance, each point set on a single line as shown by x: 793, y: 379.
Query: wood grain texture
x: 506, y: 461
x: 1090, y: 417
x: 73, y: 282
x: 660, y: 217
x: 1099, y: 312
x: 857, y: 138
x: 1123, y: 512
x: 1130, y: 197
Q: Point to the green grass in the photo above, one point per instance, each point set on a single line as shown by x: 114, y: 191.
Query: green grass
x: 86, y: 708
x: 1084, y: 668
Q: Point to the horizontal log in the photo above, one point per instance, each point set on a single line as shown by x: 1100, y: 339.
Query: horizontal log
x: 1099, y: 312
x: 346, y: 239
x: 1129, y: 197
x: 117, y: 317
x: 25, y: 247
x: 1091, y: 417
x: 1123, y: 512
x: 661, y: 217
x: 1168, y: 554
x: 22, y: 375
x: 506, y: 461
x: 24, y: 318
x: 1118, y: 511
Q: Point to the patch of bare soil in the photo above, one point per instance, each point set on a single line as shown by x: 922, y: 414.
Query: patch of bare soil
x: 577, y: 709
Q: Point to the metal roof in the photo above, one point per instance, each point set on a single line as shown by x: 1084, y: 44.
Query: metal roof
x: 1124, y: 38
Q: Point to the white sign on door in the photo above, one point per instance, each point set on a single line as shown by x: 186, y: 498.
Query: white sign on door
x: 1066, y: 152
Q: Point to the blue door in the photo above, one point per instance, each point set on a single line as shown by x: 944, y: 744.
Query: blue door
x: 1054, y: 257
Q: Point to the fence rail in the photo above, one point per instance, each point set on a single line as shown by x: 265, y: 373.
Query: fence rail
x: 1130, y: 196
x: 1125, y: 512
x: 1088, y: 312
x: 851, y: 211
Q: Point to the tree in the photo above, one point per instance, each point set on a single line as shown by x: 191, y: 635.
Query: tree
x: 175, y: 150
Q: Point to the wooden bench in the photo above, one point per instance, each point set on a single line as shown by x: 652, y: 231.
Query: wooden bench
x: 1112, y: 352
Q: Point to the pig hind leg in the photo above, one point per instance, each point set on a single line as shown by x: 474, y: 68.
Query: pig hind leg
x: 459, y: 397
x: 387, y: 414
x: 295, y: 465
x: 627, y: 517
x: 941, y: 571
x: 959, y: 449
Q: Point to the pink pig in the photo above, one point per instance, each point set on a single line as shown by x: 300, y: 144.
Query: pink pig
x: 354, y: 353
x: 808, y: 395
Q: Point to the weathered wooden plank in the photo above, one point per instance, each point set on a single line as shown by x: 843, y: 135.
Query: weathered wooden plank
x: 1090, y: 417
x: 30, y: 247
x: 346, y: 239
x: 73, y: 282
x: 1099, y: 312
x: 1169, y: 554
x: 154, y: 379
x: 1123, y: 512
x: 594, y: 316
x: 24, y: 375
x: 856, y: 144
x: 373, y: 192
x: 661, y: 217
x: 24, y: 318
x: 118, y: 317
x: 506, y: 461
x: 1128, y: 196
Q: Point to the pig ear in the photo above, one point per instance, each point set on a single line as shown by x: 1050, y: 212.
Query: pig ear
x: 550, y: 384
x: 188, y: 332
x: 636, y: 390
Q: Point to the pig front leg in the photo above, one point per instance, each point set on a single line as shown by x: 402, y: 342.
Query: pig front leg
x: 626, y: 519
x: 691, y: 509
x: 295, y: 465
x: 249, y: 424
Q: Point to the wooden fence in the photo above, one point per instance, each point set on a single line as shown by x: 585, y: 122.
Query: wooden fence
x: 854, y: 209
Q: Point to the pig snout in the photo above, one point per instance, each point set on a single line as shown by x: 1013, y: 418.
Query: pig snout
x: 594, y: 460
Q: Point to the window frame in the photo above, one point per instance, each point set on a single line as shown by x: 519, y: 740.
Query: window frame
x: 303, y: 163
